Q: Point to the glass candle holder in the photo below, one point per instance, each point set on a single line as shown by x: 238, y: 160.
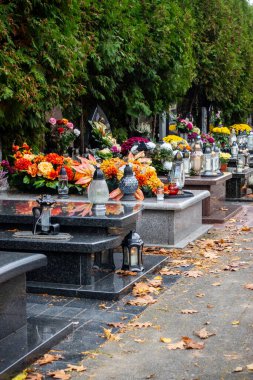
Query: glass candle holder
x: 160, y: 193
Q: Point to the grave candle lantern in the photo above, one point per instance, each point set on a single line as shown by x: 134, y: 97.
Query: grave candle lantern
x: 132, y: 247
x: 98, y: 192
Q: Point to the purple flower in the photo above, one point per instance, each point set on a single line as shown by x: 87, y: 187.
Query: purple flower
x: 115, y: 149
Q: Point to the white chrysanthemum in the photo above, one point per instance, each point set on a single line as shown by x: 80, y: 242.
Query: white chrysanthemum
x: 167, y: 165
x: 166, y: 146
x: 76, y: 132
x: 151, y: 145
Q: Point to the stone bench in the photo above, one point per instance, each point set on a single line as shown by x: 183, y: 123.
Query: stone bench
x: 70, y: 262
x: 13, y: 268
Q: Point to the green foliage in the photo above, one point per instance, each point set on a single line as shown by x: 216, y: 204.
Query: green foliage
x: 224, y: 56
x: 41, y: 60
x: 141, y: 57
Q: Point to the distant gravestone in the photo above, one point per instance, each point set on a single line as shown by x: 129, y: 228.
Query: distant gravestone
x: 55, y: 112
x: 162, y: 125
x: 97, y: 115
x: 204, y: 119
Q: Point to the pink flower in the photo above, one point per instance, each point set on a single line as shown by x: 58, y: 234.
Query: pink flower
x: 190, y: 126
x: 70, y: 125
x: 52, y: 120
x: 211, y: 140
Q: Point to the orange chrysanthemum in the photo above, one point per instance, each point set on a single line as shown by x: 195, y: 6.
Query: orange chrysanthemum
x: 52, y: 175
x: 18, y: 155
x: 22, y: 164
x: 38, y: 159
x: 32, y: 170
x: 54, y: 158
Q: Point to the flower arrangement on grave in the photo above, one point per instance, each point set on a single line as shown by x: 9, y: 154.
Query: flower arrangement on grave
x: 40, y: 171
x: 128, y: 144
x: 241, y: 128
x: 113, y: 170
x: 207, y: 138
x: 184, y: 125
x: 162, y: 157
x: 221, y: 136
x: 224, y: 157
x: 177, y: 142
x: 172, y: 127
x: 62, y: 134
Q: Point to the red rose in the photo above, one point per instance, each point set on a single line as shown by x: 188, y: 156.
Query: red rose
x: 60, y: 130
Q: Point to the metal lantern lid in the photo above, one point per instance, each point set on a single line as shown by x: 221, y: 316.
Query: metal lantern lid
x: 63, y: 171
x: 98, y: 174
x: 128, y: 171
x: 178, y: 156
x: 186, y: 153
x: 45, y: 200
x: 133, y: 238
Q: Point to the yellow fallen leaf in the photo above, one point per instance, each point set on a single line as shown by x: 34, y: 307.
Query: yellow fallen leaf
x: 48, y: 358
x: 21, y: 376
x: 245, y: 228
x: 77, y: 368
x: 139, y: 340
x: 238, y: 369
x: 216, y: 284
x: 158, y: 278
x: 165, y: 340
x: 109, y: 336
x: 189, y: 311
x: 250, y: 367
x: 176, y: 346
x: 235, y: 323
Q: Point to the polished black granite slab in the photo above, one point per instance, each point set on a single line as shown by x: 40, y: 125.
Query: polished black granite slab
x: 101, y: 284
x: 29, y: 342
x: 71, y: 213
x: 81, y: 242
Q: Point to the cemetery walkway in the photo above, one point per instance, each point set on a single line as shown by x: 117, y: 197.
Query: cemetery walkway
x: 215, y: 302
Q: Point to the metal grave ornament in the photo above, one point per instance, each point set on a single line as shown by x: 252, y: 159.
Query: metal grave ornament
x: 42, y: 217
x: 128, y: 184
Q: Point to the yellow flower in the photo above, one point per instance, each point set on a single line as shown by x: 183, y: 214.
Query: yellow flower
x: 44, y: 168
x: 29, y: 157
x: 241, y: 128
x: 171, y: 138
x: 223, y: 130
x: 172, y: 127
